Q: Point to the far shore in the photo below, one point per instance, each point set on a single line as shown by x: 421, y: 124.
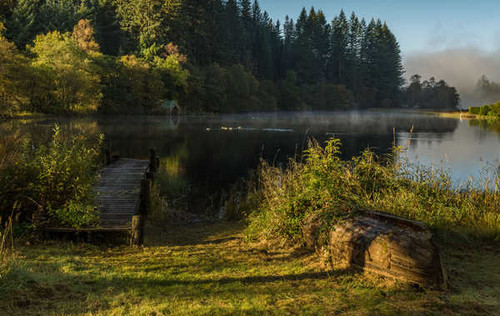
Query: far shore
x: 458, y: 114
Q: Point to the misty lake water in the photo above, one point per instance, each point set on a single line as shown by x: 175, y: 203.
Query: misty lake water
x: 209, y: 153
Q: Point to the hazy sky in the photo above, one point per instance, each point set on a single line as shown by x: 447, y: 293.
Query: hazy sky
x: 454, y: 40
x: 418, y: 25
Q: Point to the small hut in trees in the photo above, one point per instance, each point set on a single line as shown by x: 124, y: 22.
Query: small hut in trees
x: 171, y: 107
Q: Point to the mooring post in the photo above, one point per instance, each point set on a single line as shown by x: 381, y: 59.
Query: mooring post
x: 139, y: 220
x: 137, y: 232
x: 152, y: 160
x: 145, y: 196
x: 107, y: 157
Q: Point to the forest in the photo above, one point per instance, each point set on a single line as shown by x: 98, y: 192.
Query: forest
x: 124, y: 56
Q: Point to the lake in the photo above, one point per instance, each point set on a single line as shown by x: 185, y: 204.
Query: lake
x: 207, y: 154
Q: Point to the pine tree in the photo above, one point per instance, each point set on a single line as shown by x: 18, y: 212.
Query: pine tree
x: 248, y: 34
x: 231, y: 38
x: 339, y: 40
x: 21, y: 27
x: 148, y: 22
x: 109, y: 35
x: 353, y: 52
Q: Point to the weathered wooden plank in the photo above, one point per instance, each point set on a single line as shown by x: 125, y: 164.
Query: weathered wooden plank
x: 118, y: 191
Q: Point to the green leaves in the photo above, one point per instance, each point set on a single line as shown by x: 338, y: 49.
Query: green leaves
x: 56, y: 179
x: 325, y: 189
x: 74, y: 82
x: 148, y: 21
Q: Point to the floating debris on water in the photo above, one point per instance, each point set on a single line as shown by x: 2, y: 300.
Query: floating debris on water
x: 241, y: 128
x: 280, y: 130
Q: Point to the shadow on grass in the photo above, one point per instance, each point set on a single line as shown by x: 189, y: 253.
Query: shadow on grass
x: 48, y: 290
x: 238, y: 280
x: 200, y: 264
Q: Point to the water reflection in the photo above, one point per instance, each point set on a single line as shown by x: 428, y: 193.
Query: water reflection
x: 209, y: 153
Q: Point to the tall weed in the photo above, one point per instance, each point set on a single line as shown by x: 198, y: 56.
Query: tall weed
x: 324, y: 189
x: 52, y: 182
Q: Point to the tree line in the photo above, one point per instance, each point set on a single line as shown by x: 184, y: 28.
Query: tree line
x: 430, y: 94
x: 210, y: 55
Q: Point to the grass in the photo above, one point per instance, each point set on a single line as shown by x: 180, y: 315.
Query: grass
x: 324, y: 189
x: 458, y: 114
x: 211, y: 269
x: 220, y: 268
x: 20, y: 115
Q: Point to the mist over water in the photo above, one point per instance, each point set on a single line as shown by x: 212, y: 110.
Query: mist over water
x: 461, y: 67
x: 212, y: 152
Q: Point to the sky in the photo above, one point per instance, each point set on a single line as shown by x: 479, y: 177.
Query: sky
x: 454, y: 40
x: 418, y: 25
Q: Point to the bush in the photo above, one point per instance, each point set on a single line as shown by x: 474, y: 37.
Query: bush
x: 484, y: 110
x: 491, y: 109
x: 52, y: 182
x: 325, y: 190
x: 494, y: 109
x: 474, y: 110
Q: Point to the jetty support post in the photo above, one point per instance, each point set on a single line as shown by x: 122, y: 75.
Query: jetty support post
x: 107, y: 157
x: 137, y: 233
x: 153, y: 160
x: 145, y: 196
x: 139, y: 220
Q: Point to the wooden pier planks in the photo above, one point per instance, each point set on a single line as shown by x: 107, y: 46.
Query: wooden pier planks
x: 118, y: 192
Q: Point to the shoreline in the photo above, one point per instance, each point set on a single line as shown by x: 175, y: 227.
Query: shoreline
x: 457, y: 114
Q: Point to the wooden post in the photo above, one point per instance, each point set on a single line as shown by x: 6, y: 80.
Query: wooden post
x: 137, y: 233
x: 107, y: 157
x: 145, y: 196
x: 152, y: 160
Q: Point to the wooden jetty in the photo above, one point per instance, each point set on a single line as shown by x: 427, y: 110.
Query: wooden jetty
x: 118, y: 192
x: 122, y: 197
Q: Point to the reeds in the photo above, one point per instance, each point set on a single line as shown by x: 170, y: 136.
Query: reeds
x: 327, y: 189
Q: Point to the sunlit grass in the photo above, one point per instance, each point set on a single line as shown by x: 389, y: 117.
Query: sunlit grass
x: 211, y: 269
x: 327, y: 189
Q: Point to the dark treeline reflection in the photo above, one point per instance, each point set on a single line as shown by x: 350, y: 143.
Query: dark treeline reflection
x: 211, y: 153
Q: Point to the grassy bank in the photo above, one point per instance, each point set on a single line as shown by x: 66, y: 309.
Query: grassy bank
x: 301, y: 203
x: 211, y: 269
x: 242, y: 268
x: 464, y: 115
x: 457, y: 114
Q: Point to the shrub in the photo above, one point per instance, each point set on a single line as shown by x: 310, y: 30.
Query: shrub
x: 52, y: 182
x: 474, y: 109
x: 495, y: 109
x: 484, y: 110
x: 324, y: 190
